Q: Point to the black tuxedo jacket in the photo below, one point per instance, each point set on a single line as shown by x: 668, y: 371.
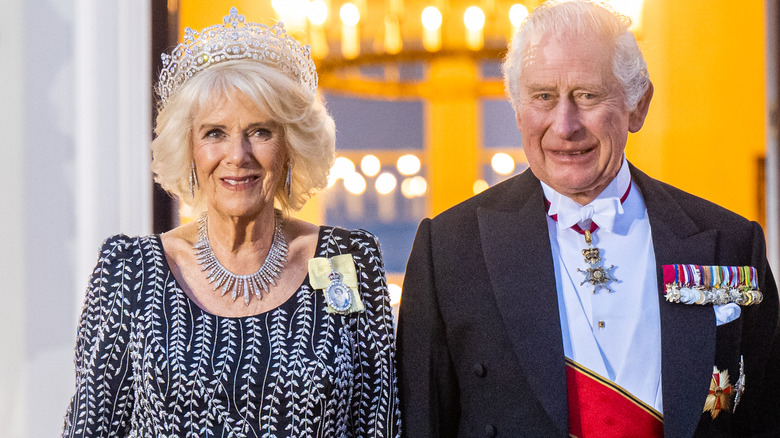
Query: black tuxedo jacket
x: 479, y: 339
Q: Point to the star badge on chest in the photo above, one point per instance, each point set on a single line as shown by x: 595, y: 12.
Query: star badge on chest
x: 596, y: 274
x: 719, y: 395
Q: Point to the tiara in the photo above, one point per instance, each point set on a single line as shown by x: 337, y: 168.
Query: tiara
x: 235, y: 39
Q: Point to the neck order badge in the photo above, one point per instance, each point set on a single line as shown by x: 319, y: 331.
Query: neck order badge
x: 596, y: 273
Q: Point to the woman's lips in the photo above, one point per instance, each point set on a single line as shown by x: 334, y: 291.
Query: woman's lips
x: 239, y: 183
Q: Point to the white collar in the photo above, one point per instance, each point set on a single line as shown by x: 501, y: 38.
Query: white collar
x: 612, y: 194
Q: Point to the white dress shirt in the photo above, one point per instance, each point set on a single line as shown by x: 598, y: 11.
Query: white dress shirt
x: 616, y: 333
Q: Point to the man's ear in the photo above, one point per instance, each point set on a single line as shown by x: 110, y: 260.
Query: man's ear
x: 637, y: 117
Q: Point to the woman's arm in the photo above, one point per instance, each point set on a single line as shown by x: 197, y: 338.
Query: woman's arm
x: 103, y: 400
x: 375, y: 405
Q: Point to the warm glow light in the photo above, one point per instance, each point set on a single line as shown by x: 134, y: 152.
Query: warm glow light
x: 349, y: 14
x: 291, y: 12
x: 631, y: 8
x: 414, y: 187
x: 355, y: 183
x: 317, y: 12
x: 517, y: 14
x: 350, y: 35
x: 431, y: 18
x: 342, y: 167
x: 408, y: 164
x: 370, y: 165
x: 385, y: 183
x: 280, y: 6
x: 502, y: 163
x: 474, y: 19
x: 186, y: 213
x: 394, y: 291
x: 431, y: 21
x: 394, y: 43
x: 479, y: 186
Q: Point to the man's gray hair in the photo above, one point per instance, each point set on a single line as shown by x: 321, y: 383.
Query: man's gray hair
x: 580, y: 17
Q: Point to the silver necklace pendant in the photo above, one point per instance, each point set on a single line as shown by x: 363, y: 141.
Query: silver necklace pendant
x: 597, y: 275
x: 337, y: 294
x: 261, y: 280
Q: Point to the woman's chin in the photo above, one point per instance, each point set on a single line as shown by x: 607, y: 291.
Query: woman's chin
x: 244, y: 210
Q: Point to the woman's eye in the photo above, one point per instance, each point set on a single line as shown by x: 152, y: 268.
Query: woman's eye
x: 214, y: 133
x: 261, y: 133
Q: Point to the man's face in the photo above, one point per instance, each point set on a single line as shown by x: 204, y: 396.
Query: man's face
x: 572, y: 116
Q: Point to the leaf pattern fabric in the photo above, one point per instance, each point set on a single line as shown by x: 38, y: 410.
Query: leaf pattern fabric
x: 151, y: 363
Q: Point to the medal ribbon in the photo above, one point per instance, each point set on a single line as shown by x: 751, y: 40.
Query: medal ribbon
x: 731, y: 277
x: 707, y: 284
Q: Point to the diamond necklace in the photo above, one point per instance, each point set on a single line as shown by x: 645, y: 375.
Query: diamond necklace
x: 260, y: 281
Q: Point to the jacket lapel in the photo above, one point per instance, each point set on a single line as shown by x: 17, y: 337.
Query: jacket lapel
x: 687, y: 331
x: 519, y: 261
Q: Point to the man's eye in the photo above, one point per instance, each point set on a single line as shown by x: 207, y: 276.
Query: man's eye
x: 545, y: 96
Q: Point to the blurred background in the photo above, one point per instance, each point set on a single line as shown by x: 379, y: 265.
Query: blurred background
x: 416, y: 92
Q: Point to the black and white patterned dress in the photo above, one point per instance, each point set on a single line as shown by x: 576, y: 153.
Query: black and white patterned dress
x: 149, y: 362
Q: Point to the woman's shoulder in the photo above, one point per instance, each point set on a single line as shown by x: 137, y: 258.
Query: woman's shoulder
x: 124, y: 247
x: 119, y: 259
x: 346, y: 239
x: 119, y: 246
x: 363, y: 245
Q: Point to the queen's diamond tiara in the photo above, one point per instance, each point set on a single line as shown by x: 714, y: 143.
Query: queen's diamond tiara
x: 235, y: 39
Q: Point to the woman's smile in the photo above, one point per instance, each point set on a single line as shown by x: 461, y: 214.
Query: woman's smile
x: 240, y: 183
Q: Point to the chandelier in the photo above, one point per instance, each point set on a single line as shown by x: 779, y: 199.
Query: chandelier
x: 349, y: 37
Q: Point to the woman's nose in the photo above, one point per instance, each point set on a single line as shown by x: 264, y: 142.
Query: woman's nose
x: 239, y: 149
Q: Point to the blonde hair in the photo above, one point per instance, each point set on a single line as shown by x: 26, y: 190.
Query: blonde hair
x: 309, y: 131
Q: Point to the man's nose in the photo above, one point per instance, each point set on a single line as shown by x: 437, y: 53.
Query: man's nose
x: 566, y: 118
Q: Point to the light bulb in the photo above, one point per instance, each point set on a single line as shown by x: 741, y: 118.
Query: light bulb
x: 431, y: 18
x: 474, y: 19
x: 349, y: 14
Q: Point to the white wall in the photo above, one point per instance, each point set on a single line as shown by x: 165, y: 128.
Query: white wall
x: 74, y: 118
x: 12, y: 254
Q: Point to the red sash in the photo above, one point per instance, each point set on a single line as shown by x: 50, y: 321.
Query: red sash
x: 600, y: 408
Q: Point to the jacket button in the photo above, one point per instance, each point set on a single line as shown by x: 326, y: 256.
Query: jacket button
x: 479, y: 370
x: 490, y: 431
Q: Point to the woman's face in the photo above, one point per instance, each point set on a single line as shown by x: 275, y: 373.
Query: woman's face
x: 239, y: 155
